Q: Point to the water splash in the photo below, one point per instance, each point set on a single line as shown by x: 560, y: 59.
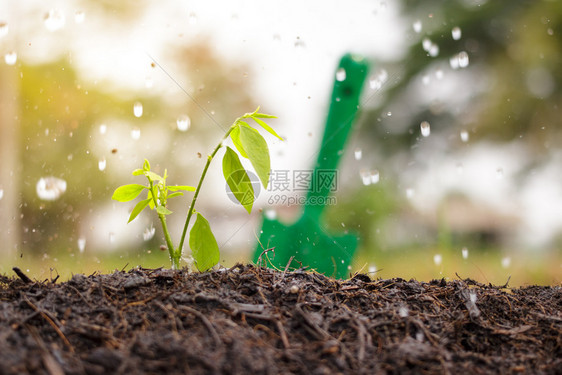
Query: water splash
x: 11, y: 58
x: 340, y: 75
x: 148, y: 233
x: 425, y: 128
x: 137, y: 109
x: 54, y: 20
x: 456, y: 33
x: 183, y: 123
x: 3, y: 29
x: 81, y: 244
x: 50, y: 188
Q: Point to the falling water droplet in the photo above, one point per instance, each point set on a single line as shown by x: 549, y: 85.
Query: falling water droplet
x: 389, y: 114
x: 426, y: 44
x: 79, y: 16
x: 81, y: 244
x: 148, y: 233
x: 271, y: 214
x: 463, y: 59
x: 10, y: 58
x: 464, y: 136
x: 340, y: 74
x: 410, y: 193
x: 135, y: 133
x: 506, y: 262
x: 425, y: 128
x: 456, y: 33
x: 464, y: 252
x: 3, y: 29
x: 101, y: 164
x: 433, y: 50
x: 372, y: 268
x: 437, y: 259
x: 417, y: 26
x: 375, y: 177
x: 50, y: 188
x: 54, y: 20
x: 1, y: 194
x: 183, y: 123
x: 454, y: 62
x: 499, y: 173
x: 103, y: 128
x: 365, y: 177
x: 358, y: 153
x: 137, y: 109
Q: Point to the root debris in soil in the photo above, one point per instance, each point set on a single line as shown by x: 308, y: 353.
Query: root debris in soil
x: 259, y: 321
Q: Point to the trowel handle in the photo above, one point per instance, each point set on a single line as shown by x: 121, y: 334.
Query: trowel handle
x: 349, y: 79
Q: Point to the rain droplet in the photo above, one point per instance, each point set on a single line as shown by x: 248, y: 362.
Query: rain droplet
x: 456, y: 33
x: 463, y: 59
x: 464, y: 136
x: 10, y: 58
x: 410, y: 193
x: 3, y: 29
x: 103, y: 129
x: 439, y: 74
x: 365, y: 177
x: 372, y: 268
x: 464, y: 252
x: 1, y: 194
x: 437, y: 259
x: 135, y: 133
x: 358, y: 153
x: 271, y: 214
x: 340, y: 74
x: 79, y: 16
x: 54, y: 20
x: 433, y: 50
x: 50, y: 188
x: 425, y: 79
x: 81, y: 244
x: 148, y: 233
x: 377, y: 80
x: 389, y: 114
x: 137, y: 109
x: 499, y: 173
x: 506, y: 262
x: 101, y: 164
x: 183, y: 123
x: 375, y: 177
x: 425, y: 128
x: 426, y: 44
x: 417, y: 26
x: 454, y: 62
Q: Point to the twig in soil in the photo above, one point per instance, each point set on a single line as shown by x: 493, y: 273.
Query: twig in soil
x: 282, y: 334
x: 22, y: 275
x: 51, y: 321
x: 205, y: 321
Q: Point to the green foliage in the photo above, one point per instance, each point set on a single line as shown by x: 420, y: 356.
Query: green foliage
x: 250, y: 144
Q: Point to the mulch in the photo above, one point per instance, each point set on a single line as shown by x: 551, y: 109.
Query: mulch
x: 250, y: 320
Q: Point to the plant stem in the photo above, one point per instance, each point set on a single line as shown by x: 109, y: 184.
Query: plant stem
x: 196, y: 194
x: 173, y: 254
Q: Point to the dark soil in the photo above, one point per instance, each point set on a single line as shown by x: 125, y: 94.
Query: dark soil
x: 248, y: 320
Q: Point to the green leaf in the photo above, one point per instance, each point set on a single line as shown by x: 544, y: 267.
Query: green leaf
x: 235, y: 136
x: 181, y: 187
x: 163, y: 210
x: 266, y: 127
x: 258, y: 153
x: 138, y: 209
x: 138, y: 172
x: 146, y: 165
x: 153, y: 176
x: 263, y: 115
x: 203, y: 244
x: 237, y: 179
x: 176, y: 194
x: 127, y: 193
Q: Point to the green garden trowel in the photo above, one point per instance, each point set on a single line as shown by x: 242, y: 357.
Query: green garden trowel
x: 308, y: 240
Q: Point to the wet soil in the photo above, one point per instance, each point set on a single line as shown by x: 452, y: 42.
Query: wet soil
x: 249, y: 320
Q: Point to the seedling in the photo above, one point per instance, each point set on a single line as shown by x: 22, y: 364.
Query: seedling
x: 250, y: 145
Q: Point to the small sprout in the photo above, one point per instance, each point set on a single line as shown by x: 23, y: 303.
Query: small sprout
x: 250, y: 145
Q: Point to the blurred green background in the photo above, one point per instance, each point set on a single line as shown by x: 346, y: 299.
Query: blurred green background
x: 480, y: 196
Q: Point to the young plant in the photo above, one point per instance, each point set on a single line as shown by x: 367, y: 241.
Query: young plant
x: 250, y: 145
